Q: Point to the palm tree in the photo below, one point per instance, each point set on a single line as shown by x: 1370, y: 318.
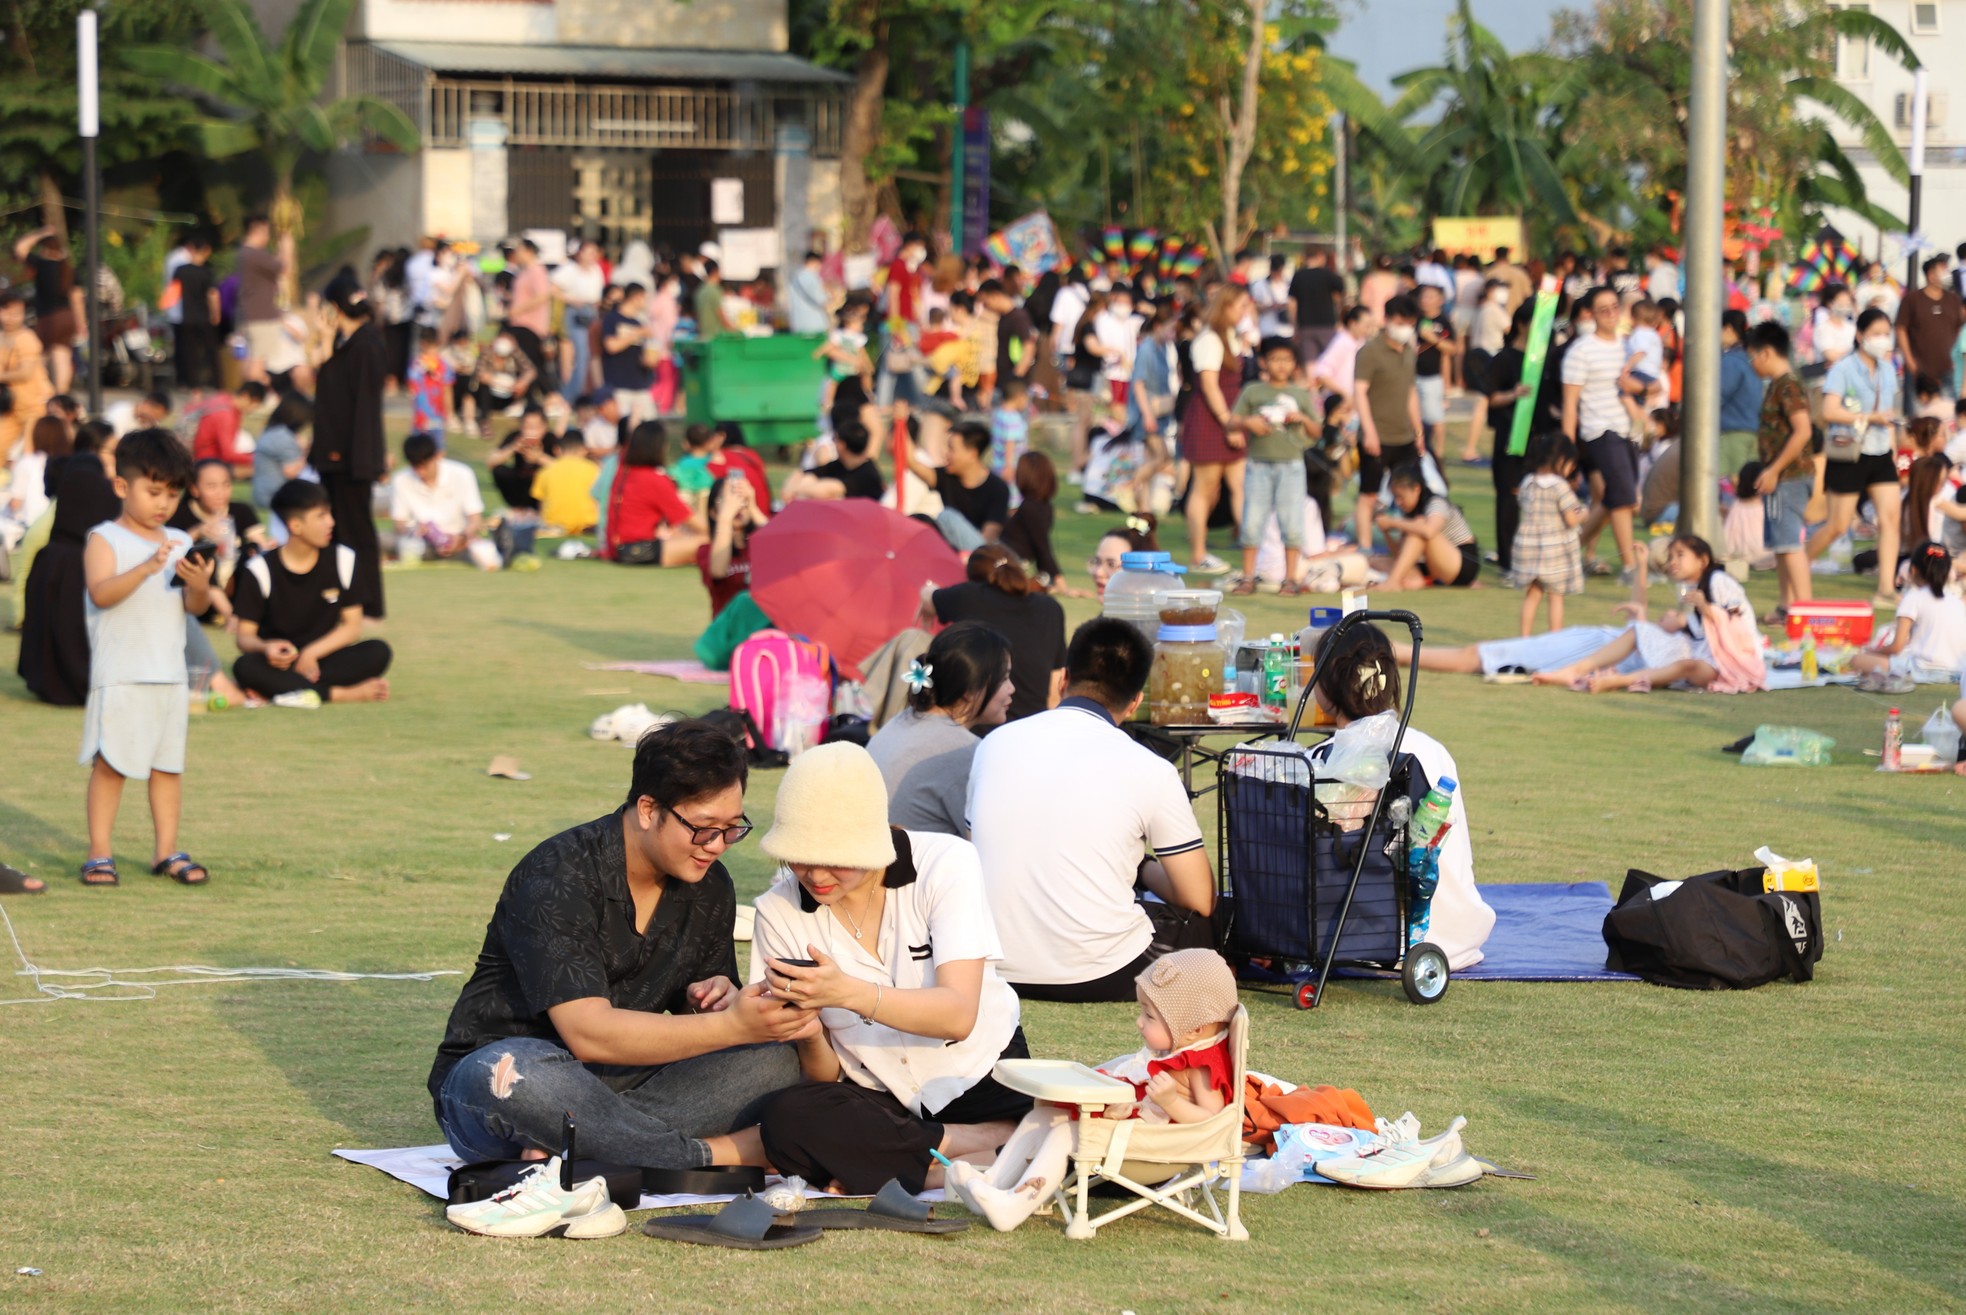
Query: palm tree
x: 267, y: 101
x: 1490, y: 151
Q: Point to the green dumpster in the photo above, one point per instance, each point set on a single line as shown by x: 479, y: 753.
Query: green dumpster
x: 768, y: 385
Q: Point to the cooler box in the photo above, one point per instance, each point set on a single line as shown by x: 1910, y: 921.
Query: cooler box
x: 1844, y: 621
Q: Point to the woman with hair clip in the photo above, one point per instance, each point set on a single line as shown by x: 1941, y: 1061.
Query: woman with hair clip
x: 1001, y: 595
x: 1358, y: 677
x: 963, y: 681
x: 1139, y: 533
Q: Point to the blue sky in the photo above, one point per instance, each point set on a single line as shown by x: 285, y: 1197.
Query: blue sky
x: 1387, y: 37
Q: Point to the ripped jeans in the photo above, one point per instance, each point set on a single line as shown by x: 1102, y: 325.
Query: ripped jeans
x: 657, y: 1120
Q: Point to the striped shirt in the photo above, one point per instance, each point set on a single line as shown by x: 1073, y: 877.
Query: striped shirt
x: 1595, y: 363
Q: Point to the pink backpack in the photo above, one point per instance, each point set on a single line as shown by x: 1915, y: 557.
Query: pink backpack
x: 786, y: 684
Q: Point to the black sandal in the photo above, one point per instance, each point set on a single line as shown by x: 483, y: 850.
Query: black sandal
x: 100, y: 872
x: 179, y: 867
x: 15, y: 882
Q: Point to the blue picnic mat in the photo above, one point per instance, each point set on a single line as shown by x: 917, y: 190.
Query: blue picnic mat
x: 1546, y: 932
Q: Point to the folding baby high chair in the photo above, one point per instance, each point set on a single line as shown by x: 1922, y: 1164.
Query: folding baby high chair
x: 1179, y: 1160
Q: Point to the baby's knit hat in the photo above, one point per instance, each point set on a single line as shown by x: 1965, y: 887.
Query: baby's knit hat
x: 1192, y: 989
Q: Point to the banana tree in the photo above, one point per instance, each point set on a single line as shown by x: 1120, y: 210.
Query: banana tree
x: 266, y: 100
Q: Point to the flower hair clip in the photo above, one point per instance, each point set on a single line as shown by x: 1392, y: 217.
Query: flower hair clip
x: 1372, y: 680
x: 1138, y: 524
x: 919, y: 675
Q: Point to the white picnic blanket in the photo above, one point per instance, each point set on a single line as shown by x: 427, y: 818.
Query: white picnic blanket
x: 428, y: 1169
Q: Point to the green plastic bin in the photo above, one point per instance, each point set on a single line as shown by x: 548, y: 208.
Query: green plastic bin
x: 768, y: 385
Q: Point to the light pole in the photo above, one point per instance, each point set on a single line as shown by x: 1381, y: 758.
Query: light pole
x: 1917, y: 188
x: 957, y: 162
x: 1699, y: 476
x: 88, y: 123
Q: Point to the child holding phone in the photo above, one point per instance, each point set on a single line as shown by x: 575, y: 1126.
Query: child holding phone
x: 139, y: 688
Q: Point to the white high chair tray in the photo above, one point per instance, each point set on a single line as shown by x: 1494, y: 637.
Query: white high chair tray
x: 1062, y: 1081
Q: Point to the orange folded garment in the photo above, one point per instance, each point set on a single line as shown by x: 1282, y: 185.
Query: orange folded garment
x: 1267, y: 1107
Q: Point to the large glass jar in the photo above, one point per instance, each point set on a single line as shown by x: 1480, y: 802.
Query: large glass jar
x: 1187, y: 669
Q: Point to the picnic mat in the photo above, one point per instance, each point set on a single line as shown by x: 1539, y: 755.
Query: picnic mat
x: 687, y: 670
x: 1546, y: 932
x: 428, y: 1168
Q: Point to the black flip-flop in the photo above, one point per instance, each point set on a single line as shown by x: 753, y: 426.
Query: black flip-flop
x: 100, y: 873
x: 179, y: 867
x: 15, y: 882
x: 746, y: 1224
x: 1738, y: 746
x: 894, y: 1209
x: 1511, y: 675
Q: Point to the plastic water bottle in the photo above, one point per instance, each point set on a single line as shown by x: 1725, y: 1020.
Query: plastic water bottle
x: 1431, y: 815
x: 1894, y: 741
x: 1276, y: 672
x: 1810, y: 669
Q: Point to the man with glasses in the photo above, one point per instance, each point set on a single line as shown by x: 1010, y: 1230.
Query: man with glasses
x: 606, y: 988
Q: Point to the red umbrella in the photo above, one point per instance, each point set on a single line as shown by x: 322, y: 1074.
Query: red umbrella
x: 847, y: 572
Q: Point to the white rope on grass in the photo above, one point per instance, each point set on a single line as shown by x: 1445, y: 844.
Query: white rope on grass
x: 89, y: 983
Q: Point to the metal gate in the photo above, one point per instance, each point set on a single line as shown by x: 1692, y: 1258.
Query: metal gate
x: 680, y: 194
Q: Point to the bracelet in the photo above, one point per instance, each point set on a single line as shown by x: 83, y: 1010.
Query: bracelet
x: 868, y: 1017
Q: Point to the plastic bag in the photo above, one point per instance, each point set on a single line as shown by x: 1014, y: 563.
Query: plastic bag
x: 1362, y: 753
x: 1942, y: 733
x: 1787, y: 746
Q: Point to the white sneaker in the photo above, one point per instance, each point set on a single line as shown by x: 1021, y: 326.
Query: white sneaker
x: 1210, y: 565
x: 1455, y: 1173
x: 1399, y: 1158
x: 304, y: 699
x: 536, y: 1206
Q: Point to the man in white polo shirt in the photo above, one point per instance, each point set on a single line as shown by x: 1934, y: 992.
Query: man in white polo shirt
x: 1595, y: 382
x: 1063, y: 808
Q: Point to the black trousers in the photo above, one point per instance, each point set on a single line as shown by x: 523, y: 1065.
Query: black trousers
x: 859, y: 1137
x: 349, y: 666
x: 353, y: 502
x: 1508, y: 472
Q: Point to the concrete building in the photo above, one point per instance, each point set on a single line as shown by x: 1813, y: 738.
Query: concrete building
x: 1936, y: 31
x: 672, y: 121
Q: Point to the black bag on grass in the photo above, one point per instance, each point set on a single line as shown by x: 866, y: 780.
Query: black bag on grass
x: 1718, y: 931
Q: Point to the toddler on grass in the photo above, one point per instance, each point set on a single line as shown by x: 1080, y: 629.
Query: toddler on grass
x: 1184, y: 1073
x: 141, y: 585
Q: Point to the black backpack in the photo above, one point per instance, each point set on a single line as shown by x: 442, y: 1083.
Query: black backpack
x: 1717, y: 931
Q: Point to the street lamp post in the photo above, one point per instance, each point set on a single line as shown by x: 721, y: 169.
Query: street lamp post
x: 1917, y: 185
x: 1699, y: 481
x: 88, y: 123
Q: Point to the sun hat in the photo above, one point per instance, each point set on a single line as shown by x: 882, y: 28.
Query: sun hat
x: 1191, y: 988
x: 832, y: 811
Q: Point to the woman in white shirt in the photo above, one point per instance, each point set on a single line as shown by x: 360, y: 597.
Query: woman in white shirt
x: 1834, y: 329
x: 888, y: 934
x: 1928, y: 640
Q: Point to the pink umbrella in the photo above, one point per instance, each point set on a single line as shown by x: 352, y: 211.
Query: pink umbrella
x: 848, y: 572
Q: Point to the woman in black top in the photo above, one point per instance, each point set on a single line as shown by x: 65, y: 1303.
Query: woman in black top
x: 999, y: 594
x: 349, y: 449
x: 1028, y: 532
x: 54, y: 640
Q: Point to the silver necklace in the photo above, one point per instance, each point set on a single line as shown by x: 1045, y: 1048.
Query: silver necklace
x: 851, y: 921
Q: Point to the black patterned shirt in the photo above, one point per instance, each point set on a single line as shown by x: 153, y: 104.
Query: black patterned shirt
x: 564, y: 929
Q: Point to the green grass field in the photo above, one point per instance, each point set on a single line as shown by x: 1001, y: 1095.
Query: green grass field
x: 1789, y: 1149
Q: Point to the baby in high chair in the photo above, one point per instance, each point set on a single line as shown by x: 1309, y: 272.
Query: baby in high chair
x: 1184, y: 1073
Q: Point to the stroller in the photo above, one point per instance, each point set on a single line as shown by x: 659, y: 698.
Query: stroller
x: 1319, y: 884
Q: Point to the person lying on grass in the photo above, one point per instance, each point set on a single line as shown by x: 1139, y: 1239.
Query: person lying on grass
x: 1184, y: 1072
x: 1433, y: 544
x: 1682, y: 648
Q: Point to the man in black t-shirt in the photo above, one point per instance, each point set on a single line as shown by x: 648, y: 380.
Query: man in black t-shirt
x: 852, y: 474
x: 624, y: 334
x: 975, y: 501
x: 1319, y: 295
x: 300, y: 612
x: 607, y: 986
x: 1017, y: 333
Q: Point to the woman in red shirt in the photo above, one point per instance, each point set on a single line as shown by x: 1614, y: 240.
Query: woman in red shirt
x: 649, y: 524
x: 725, y: 561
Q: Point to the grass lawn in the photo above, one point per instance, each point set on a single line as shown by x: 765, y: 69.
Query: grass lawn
x: 1789, y: 1149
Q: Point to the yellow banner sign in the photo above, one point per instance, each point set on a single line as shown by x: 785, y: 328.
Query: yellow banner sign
x: 1479, y: 235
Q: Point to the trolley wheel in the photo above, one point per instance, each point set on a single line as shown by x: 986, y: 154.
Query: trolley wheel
x: 1307, y: 995
x: 1424, y: 974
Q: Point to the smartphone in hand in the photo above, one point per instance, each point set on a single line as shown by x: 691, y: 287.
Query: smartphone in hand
x: 203, y: 552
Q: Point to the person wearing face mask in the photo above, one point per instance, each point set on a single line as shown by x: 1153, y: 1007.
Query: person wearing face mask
x: 504, y: 376
x: 1861, y: 407
x: 1929, y: 321
x: 1740, y: 393
x: 962, y: 684
x: 350, y: 452
x: 1388, y: 408
x: 1489, y: 335
x: 1835, y: 325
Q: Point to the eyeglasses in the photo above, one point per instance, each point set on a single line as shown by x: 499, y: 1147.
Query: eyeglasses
x: 1109, y: 563
x: 703, y: 835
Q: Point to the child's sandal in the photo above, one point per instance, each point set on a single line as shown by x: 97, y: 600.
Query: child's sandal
x: 179, y: 867
x: 100, y: 872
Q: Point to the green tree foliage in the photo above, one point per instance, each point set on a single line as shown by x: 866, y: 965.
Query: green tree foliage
x: 40, y: 151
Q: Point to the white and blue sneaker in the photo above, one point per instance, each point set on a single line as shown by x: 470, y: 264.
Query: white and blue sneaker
x: 536, y: 1206
x: 1398, y: 1158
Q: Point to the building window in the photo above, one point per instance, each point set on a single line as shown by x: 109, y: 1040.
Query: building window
x: 1850, y: 56
x: 1924, y: 19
